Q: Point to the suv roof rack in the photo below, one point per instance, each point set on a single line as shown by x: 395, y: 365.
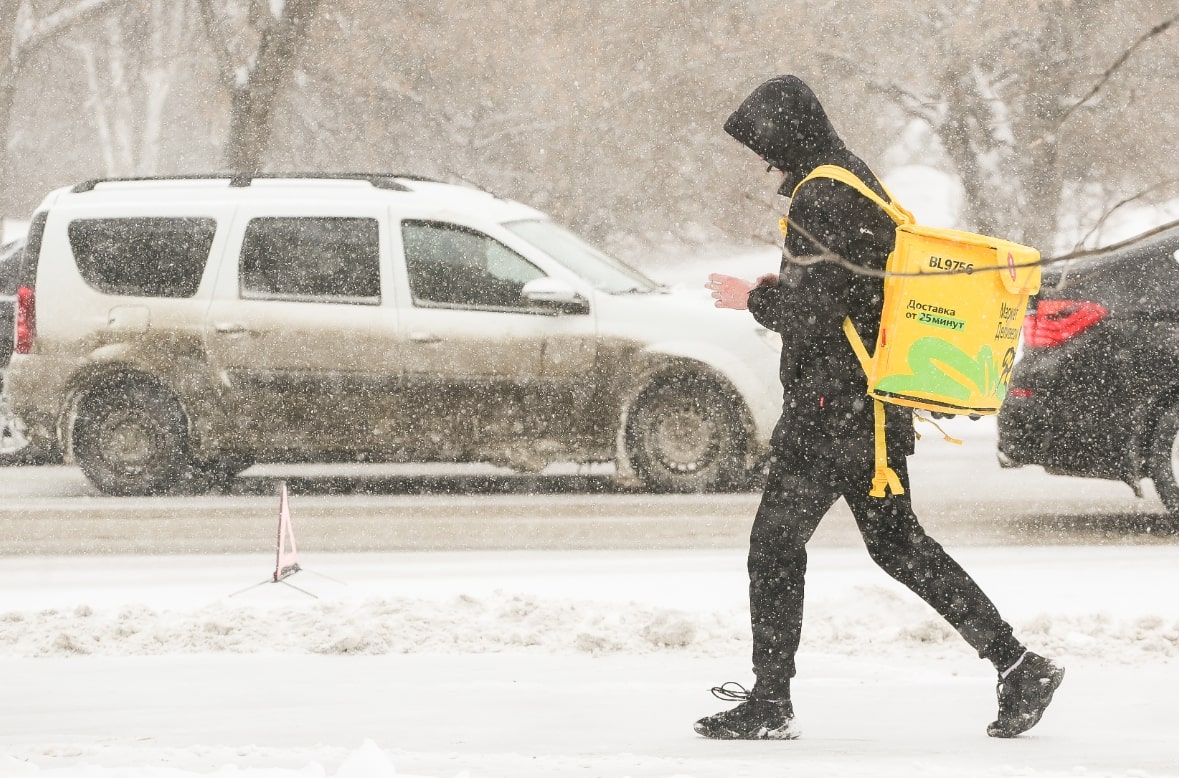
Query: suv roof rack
x: 378, y: 180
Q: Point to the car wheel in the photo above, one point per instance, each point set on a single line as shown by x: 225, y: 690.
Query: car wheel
x: 1163, y: 463
x: 685, y: 435
x: 132, y: 441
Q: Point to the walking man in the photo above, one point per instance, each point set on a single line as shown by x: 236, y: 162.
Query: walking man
x: 822, y: 447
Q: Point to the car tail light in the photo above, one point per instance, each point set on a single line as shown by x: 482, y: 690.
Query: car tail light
x: 26, y: 320
x: 1056, y: 321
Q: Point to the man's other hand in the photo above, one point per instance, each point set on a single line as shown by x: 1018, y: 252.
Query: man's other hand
x: 732, y: 292
x: 729, y: 291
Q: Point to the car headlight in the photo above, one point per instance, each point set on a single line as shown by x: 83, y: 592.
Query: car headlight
x: 770, y: 338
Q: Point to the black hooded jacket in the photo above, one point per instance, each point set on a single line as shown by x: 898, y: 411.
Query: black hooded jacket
x: 827, y: 415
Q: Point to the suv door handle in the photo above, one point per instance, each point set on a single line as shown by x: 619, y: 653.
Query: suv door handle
x: 424, y: 337
x: 229, y: 328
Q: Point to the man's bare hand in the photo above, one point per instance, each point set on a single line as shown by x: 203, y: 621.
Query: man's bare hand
x: 729, y: 291
x: 732, y: 292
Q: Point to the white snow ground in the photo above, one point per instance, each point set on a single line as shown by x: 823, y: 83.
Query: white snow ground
x: 530, y: 664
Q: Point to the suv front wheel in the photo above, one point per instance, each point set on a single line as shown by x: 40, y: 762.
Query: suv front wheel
x: 131, y: 440
x: 685, y: 435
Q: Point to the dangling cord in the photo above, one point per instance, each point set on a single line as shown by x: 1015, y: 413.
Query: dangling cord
x: 918, y: 417
x: 731, y: 691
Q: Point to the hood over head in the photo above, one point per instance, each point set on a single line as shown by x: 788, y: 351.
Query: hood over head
x: 783, y: 122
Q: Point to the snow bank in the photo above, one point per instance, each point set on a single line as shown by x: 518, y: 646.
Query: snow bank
x: 499, y: 607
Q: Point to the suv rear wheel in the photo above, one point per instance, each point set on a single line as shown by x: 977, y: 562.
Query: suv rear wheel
x: 685, y: 435
x: 1163, y: 461
x: 131, y: 440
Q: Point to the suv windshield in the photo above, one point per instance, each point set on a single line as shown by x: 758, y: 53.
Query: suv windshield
x: 605, y: 273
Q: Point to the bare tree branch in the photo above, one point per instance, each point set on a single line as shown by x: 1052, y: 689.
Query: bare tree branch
x: 25, y: 36
x: 1158, y: 29
x: 827, y: 255
x: 1126, y: 201
x: 910, y: 102
x: 66, y: 19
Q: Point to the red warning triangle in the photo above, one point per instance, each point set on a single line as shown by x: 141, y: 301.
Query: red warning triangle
x: 287, y: 561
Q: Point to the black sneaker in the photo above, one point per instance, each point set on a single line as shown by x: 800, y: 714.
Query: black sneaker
x: 1024, y: 695
x: 753, y: 719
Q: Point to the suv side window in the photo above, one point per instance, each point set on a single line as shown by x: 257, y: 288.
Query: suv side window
x: 142, y: 257
x: 312, y: 259
x: 453, y: 266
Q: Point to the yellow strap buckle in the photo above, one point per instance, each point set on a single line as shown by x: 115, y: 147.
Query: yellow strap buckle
x: 885, y: 476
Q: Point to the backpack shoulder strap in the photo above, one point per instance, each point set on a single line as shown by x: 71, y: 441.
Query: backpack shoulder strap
x: 897, y: 212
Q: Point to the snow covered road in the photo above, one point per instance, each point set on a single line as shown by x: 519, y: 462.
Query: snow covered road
x: 961, y: 494
x: 530, y: 664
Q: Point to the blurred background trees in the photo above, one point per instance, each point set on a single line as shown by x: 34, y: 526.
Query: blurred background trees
x: 1046, y: 113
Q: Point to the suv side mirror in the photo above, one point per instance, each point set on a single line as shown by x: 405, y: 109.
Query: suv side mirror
x: 556, y: 294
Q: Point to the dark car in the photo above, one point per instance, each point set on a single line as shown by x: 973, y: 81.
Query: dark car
x: 1096, y: 392
x: 14, y: 446
x: 10, y: 254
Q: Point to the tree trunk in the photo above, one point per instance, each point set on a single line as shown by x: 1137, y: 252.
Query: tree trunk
x: 7, y: 92
x: 252, y: 102
x: 9, y: 65
x: 958, y: 133
x: 249, y: 130
x: 1042, y: 185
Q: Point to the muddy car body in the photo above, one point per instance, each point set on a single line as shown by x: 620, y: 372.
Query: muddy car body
x: 179, y: 330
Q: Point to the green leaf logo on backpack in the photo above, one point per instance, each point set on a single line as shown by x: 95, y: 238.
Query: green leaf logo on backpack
x: 942, y: 368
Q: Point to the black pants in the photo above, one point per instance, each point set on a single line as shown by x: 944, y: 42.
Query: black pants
x: 791, y: 508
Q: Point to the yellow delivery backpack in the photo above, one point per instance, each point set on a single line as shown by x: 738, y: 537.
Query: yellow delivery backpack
x: 954, y: 304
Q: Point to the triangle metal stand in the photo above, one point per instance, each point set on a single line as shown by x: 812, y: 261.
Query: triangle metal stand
x: 286, y: 561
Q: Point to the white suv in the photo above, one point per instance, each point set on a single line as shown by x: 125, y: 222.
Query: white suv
x: 172, y: 332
